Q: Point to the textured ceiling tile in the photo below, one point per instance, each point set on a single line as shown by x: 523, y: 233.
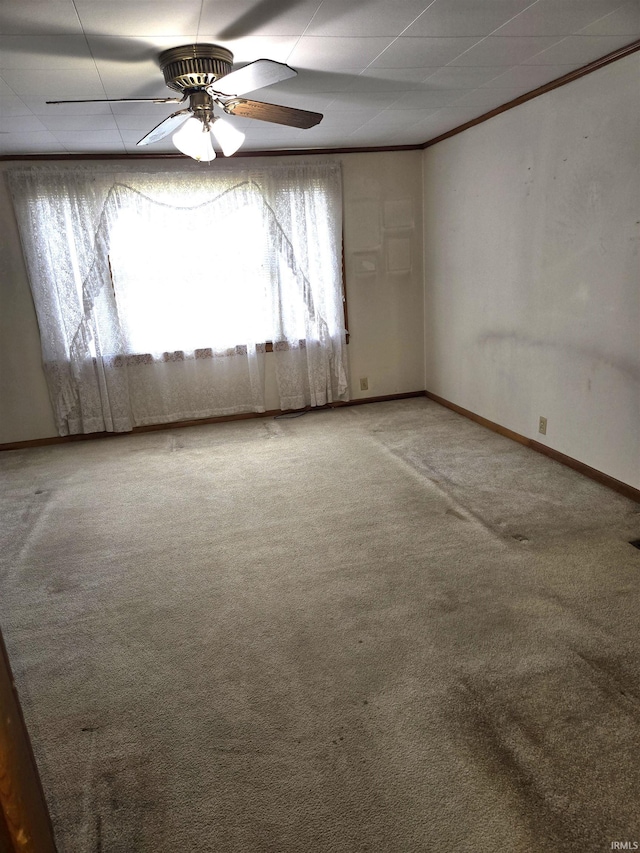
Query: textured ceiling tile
x: 373, y: 18
x: 51, y: 52
x: 527, y: 77
x: 578, y: 50
x: 553, y: 18
x: 427, y: 99
x: 90, y: 146
x: 488, y: 99
x: 425, y: 52
x: 336, y: 53
x: 504, y: 51
x: 310, y: 80
x: 51, y: 17
x: 20, y: 123
x: 71, y: 138
x: 98, y: 123
x: 5, y: 90
x: 128, y: 51
x: 142, y: 18
x: 40, y: 142
x: 358, y: 100
x: 125, y: 82
x: 445, y: 120
x: 249, y: 48
x: 93, y: 109
x: 456, y: 18
x: 624, y: 21
x: 232, y: 19
x: 43, y: 86
x: 380, y: 79
x: 14, y: 107
x: 462, y: 77
x: 398, y: 118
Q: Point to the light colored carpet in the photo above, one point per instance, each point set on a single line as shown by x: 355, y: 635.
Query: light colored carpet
x: 379, y: 628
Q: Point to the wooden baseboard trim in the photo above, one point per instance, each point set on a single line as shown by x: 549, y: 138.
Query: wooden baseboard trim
x: 604, y: 479
x: 271, y: 413
x: 593, y: 474
x: 25, y: 824
x: 383, y: 399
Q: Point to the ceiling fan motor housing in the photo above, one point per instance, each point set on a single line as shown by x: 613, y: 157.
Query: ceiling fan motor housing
x: 195, y: 66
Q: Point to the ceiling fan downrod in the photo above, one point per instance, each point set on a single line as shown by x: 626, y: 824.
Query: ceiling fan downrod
x: 201, y: 105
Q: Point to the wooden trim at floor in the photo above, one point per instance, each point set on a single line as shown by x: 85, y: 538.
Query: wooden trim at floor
x: 271, y: 413
x: 25, y: 825
x: 384, y: 399
x: 593, y: 474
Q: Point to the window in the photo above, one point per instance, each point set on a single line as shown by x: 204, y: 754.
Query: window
x: 184, y: 280
x: 177, y: 266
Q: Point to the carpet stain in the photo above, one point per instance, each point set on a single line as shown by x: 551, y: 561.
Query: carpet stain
x: 611, y: 678
x: 90, y: 829
x: 175, y: 443
x: 456, y: 514
x: 272, y: 428
x: 490, y: 738
x: 61, y: 585
x: 110, y: 782
x: 556, y: 741
x: 98, y: 834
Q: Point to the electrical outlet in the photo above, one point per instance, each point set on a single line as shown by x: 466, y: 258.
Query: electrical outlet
x: 364, y: 384
x: 542, y: 426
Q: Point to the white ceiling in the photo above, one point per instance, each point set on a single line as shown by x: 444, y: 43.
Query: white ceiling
x: 383, y: 72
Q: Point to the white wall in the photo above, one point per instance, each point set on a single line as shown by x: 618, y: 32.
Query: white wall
x: 25, y: 410
x: 383, y: 218
x: 531, y: 269
x: 384, y: 277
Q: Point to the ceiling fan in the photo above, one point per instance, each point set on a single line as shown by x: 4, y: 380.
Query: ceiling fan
x: 203, y: 74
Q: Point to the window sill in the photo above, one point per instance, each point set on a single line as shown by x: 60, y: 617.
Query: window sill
x: 207, y: 352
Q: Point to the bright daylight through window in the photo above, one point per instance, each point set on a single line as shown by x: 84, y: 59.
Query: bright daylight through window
x: 157, y: 291
x: 217, y: 289
x: 214, y: 289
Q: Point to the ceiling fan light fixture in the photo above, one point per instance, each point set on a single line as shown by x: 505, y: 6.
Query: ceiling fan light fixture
x: 194, y: 140
x: 228, y: 137
x: 204, y: 74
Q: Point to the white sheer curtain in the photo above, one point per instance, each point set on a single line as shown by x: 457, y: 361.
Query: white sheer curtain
x: 174, y: 326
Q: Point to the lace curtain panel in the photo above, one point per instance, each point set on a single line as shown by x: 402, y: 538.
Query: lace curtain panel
x: 156, y: 292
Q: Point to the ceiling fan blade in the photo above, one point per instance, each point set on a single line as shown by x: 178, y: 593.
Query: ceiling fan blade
x: 121, y: 100
x: 165, y: 127
x: 272, y: 112
x: 255, y: 75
